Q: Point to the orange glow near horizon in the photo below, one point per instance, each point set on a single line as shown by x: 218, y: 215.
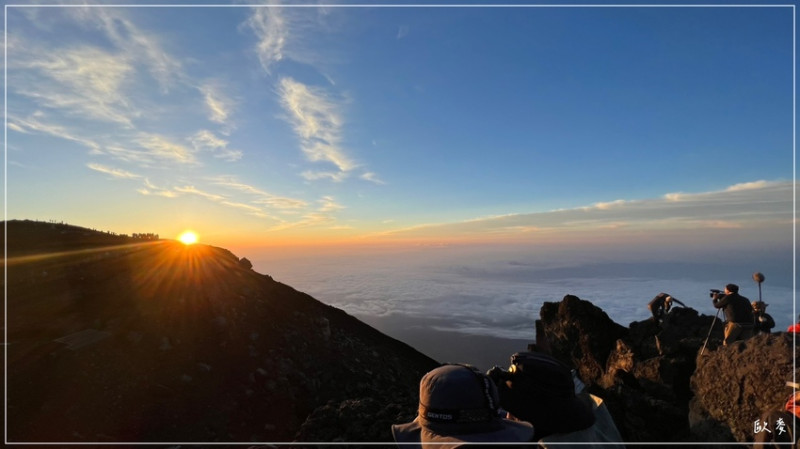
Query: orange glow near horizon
x: 188, y: 237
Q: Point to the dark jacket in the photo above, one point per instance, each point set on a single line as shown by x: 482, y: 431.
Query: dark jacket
x: 737, y: 308
x: 658, y: 305
x: 763, y: 322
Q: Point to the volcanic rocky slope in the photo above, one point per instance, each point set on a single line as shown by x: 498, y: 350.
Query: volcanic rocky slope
x: 654, y: 380
x: 115, y: 339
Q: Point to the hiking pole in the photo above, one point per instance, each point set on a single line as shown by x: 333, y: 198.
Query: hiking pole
x: 709, y: 332
x: 758, y: 277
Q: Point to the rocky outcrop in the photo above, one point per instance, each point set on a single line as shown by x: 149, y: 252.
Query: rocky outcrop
x: 734, y: 385
x: 655, y: 382
x: 581, y: 334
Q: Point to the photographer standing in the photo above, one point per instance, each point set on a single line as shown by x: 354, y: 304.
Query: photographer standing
x: 738, y: 314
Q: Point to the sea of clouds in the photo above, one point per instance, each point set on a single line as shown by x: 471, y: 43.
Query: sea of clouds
x: 499, y: 293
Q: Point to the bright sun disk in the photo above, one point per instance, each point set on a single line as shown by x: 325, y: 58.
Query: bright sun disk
x: 188, y: 238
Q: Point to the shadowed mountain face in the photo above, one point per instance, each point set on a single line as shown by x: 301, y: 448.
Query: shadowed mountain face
x: 114, y: 339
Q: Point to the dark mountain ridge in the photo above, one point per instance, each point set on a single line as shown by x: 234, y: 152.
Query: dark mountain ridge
x: 119, y: 339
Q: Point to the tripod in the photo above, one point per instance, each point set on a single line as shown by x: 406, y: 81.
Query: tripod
x: 709, y: 332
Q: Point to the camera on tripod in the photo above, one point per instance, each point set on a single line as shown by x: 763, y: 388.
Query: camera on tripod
x: 714, y: 293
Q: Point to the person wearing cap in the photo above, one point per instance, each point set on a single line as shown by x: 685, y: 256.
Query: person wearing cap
x: 762, y: 321
x: 540, y: 389
x: 738, y: 314
x: 458, y: 404
x: 660, y: 305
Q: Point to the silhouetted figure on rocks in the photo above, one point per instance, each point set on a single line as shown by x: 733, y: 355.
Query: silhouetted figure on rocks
x: 762, y: 321
x: 738, y: 314
x: 660, y: 305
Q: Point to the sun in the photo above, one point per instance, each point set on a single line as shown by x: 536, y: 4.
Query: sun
x: 188, y: 238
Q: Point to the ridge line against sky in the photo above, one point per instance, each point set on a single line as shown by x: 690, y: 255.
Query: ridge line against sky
x: 340, y: 124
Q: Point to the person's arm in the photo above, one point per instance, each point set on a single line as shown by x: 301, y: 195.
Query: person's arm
x: 721, y: 301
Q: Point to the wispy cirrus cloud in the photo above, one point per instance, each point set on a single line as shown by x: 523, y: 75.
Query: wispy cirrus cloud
x: 133, y: 42
x: 284, y: 33
x: 272, y: 31
x: 105, y: 80
x: 218, y: 105
x: 144, y: 150
x: 315, y: 113
x: 259, y: 196
x: 260, y: 204
x: 310, y: 219
x: 372, y: 177
x: 242, y: 206
x: 37, y: 123
x: 84, y: 82
x: 163, y: 148
x: 81, y: 88
x: 110, y: 85
x: 206, y: 140
x: 317, y: 121
x: 151, y: 189
x: 115, y: 172
x: 192, y: 190
x: 329, y: 204
x: 181, y: 190
x: 310, y: 175
x: 99, y: 81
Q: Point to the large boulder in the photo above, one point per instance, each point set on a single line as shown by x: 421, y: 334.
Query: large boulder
x: 581, y: 335
x: 733, y: 385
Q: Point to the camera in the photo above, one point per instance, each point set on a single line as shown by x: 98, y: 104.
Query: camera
x: 714, y: 292
x: 499, y: 375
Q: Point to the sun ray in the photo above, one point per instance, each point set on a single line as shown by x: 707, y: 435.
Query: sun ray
x: 29, y: 258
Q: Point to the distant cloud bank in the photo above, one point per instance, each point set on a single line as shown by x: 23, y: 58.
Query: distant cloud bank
x: 751, y: 206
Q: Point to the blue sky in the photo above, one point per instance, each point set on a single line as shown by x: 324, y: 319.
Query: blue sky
x: 278, y: 125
